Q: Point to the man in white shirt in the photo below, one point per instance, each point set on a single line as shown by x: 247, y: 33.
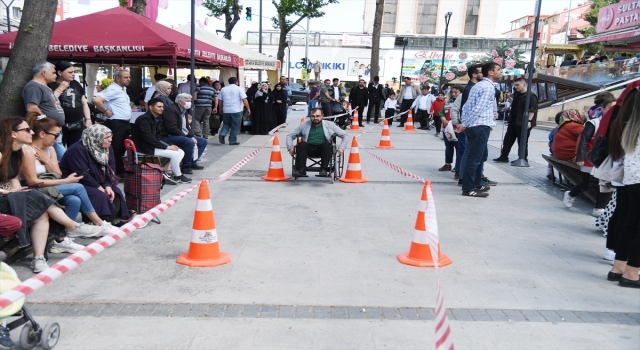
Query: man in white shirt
x: 158, y: 77
x: 233, y: 98
x: 408, y: 93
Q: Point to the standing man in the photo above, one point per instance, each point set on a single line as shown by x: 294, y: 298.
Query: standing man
x: 152, y: 89
x: 285, y: 83
x: 317, y: 68
x: 514, y: 129
x: 204, y: 97
x: 475, y: 75
x: 314, y: 94
x: 375, y: 97
x: 326, y: 98
x: 408, y: 93
x: 232, y: 98
x: 185, y: 88
x: 39, y: 98
x: 477, y: 121
x: 113, y: 102
x: 358, y: 98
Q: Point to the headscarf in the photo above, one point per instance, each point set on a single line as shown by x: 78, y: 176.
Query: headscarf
x: 163, y: 88
x: 603, y: 128
x: 571, y: 116
x: 92, y: 139
x: 259, y: 92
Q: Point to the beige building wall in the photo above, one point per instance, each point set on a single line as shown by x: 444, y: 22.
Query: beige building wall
x: 456, y: 26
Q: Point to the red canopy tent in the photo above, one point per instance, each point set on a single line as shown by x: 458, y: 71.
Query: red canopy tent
x: 119, y: 36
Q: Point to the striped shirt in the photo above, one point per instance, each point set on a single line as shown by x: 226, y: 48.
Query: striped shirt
x: 205, y: 95
x: 478, y: 110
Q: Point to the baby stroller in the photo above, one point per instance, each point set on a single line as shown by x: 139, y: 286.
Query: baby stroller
x: 344, y: 121
x: 31, y: 334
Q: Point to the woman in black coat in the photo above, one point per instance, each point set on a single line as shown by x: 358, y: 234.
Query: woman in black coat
x: 280, y: 104
x: 263, y: 119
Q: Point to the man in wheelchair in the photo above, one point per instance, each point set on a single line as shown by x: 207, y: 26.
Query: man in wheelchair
x: 316, y: 141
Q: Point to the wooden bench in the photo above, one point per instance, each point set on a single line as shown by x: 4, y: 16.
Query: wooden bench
x: 571, y: 172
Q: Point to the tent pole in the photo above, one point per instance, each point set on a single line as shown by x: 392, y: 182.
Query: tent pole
x: 193, y: 55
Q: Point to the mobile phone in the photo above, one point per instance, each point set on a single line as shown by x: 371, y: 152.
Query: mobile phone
x: 84, y: 173
x: 38, y: 185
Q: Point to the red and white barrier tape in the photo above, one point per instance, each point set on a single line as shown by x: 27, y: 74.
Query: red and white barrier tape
x: 397, y: 168
x: 65, y: 265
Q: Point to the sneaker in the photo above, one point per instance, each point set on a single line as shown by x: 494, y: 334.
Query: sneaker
x: 5, y: 338
x: 483, y: 188
x: 221, y: 139
x: 39, y: 264
x: 105, y: 228
x: 197, y: 167
x: 456, y: 176
x: 234, y: 143
x: 323, y: 173
x: 187, y: 170
x: 66, y: 246
x: 84, y: 230
x: 501, y: 159
x: 401, y: 126
x: 597, y: 212
x: 486, y: 181
x: 182, y: 179
x: 609, y: 255
x: 168, y: 180
x: 568, y: 200
x: 437, y: 134
x: 475, y: 194
x: 445, y: 167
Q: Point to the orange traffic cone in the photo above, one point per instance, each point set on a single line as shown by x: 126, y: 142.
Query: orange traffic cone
x: 385, y: 139
x: 302, y: 120
x: 354, y: 170
x: 355, y: 125
x: 408, y: 125
x: 203, y: 249
x: 420, y: 254
x: 276, y: 172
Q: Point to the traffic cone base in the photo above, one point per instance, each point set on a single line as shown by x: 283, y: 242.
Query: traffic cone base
x: 355, y: 181
x: 420, y: 255
x: 183, y: 259
x: 276, y: 171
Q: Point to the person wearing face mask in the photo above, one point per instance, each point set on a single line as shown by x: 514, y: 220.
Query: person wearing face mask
x: 176, y: 130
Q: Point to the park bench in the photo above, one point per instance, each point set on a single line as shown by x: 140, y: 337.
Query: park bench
x: 569, y: 174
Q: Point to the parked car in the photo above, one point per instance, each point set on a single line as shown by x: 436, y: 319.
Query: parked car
x: 299, y: 93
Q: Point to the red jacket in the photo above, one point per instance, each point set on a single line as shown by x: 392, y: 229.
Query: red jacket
x: 436, y: 106
x: 565, y: 141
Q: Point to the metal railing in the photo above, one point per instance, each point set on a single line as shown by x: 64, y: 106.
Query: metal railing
x: 598, y: 73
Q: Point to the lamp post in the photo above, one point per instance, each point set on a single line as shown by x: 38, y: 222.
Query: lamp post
x: 447, y: 19
x: 8, y: 14
x: 289, y: 43
x: 522, y: 161
x: 404, y: 46
x: 306, y: 51
x: 260, y: 40
x: 193, y: 53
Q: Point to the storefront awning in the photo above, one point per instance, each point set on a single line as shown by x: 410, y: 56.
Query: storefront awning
x: 623, y: 37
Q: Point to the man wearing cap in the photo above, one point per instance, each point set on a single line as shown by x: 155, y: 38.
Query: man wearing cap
x: 158, y: 77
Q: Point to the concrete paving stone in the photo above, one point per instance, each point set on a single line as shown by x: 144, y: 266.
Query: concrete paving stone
x: 163, y: 310
x: 409, y: 314
x: 304, y: 312
x: 391, y: 313
x: 268, y: 311
x: 587, y: 317
x: 38, y: 309
x: 605, y: 317
x: 321, y: 312
x: 479, y: 315
x: 338, y: 313
x: 519, y: 315
x: 550, y: 316
x: 198, y: 310
x: 426, y: 314
x: 146, y: 310
x: 286, y: 312
x: 373, y: 313
x: 623, y: 318
x: 110, y: 310
x: 128, y: 310
x: 74, y: 310
x: 216, y: 311
x: 635, y: 317
x: 234, y: 311
x: 92, y: 310
x: 56, y: 310
x: 250, y: 311
x: 497, y: 315
x: 461, y: 314
x: 569, y: 316
x: 181, y: 310
x: 533, y: 316
x: 356, y: 313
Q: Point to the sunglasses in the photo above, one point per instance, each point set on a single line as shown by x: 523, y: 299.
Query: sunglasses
x: 24, y: 129
x: 52, y: 134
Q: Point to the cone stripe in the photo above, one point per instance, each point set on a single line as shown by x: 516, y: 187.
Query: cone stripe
x: 354, y: 167
x: 423, y: 206
x: 204, y: 205
x: 354, y: 150
x: 204, y: 236
x: 275, y: 165
x: 420, y: 237
x: 385, y: 138
x: 275, y: 148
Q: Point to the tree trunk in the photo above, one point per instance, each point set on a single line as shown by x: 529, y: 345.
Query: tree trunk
x: 136, y: 82
x: 31, y: 46
x: 139, y: 6
x: 230, y: 21
x: 375, y: 45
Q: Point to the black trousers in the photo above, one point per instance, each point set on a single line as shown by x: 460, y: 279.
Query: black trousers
x: 326, y: 109
x: 388, y: 114
x: 587, y: 181
x: 627, y: 235
x: 360, y: 114
x: 510, y: 137
x: 405, y: 106
x: 303, y: 150
x: 71, y: 137
x: 120, y: 130
x: 374, y: 107
x: 423, y: 116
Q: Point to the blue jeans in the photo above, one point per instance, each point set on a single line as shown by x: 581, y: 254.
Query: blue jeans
x: 460, y: 146
x: 231, y: 121
x: 312, y: 105
x: 75, y: 200
x: 476, y: 152
x: 59, y: 147
x: 187, y: 144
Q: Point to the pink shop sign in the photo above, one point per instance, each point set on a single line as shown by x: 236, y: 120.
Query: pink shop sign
x: 621, y: 15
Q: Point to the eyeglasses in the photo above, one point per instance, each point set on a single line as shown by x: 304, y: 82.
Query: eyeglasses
x: 52, y: 134
x: 24, y: 129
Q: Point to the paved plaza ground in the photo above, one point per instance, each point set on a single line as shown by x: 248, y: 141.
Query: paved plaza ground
x: 314, y: 264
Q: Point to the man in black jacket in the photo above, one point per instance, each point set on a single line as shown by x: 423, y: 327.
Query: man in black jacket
x: 358, y: 98
x: 146, y: 136
x: 176, y: 130
x: 375, y: 97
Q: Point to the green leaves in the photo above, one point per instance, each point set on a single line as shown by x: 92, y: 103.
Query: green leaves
x: 300, y: 8
x: 218, y: 8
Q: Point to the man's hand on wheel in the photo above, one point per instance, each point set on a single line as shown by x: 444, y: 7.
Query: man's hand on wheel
x: 340, y: 151
x: 291, y: 152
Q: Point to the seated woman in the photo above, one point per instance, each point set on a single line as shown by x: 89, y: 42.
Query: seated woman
x: 565, y: 140
x: 32, y: 207
x: 163, y: 91
x: 94, y: 153
x: 41, y: 166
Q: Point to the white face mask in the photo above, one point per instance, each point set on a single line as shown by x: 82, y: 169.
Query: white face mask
x: 187, y: 105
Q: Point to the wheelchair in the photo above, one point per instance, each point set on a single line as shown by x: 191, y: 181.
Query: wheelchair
x: 336, y: 163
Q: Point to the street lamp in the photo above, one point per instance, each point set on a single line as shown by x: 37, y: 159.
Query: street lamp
x: 405, y: 40
x: 289, y: 44
x: 447, y: 19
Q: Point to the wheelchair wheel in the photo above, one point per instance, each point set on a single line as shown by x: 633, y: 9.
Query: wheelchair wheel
x: 338, y: 163
x: 293, y: 166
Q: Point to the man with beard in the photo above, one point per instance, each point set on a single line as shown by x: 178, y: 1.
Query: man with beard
x: 358, y: 98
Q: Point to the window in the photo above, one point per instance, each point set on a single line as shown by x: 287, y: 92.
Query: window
x: 17, y: 12
x: 252, y: 38
x: 471, y: 18
x: 389, y: 16
x: 439, y: 42
x: 470, y: 44
x: 427, y: 16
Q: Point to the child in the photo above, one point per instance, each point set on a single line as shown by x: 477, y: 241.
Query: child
x: 390, y: 105
x: 343, y: 101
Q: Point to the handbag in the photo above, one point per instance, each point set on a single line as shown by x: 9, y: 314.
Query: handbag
x: 73, y: 126
x: 450, y: 133
x: 608, y: 171
x: 599, y: 152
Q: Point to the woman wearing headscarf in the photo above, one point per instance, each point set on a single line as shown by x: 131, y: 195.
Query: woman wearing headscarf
x: 163, y: 91
x: 263, y: 119
x: 565, y: 140
x: 95, y: 155
x: 280, y: 104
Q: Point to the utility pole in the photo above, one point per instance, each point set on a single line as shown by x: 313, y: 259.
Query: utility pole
x: 8, y: 14
x: 566, y: 37
x: 306, y: 51
x: 260, y: 41
x: 193, y: 54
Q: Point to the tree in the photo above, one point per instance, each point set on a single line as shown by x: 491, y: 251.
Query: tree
x: 300, y: 8
x: 375, y: 40
x: 137, y: 6
x: 592, y: 18
x: 229, y: 8
x: 31, y: 46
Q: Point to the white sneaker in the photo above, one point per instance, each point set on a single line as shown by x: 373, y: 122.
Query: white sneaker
x: 609, y: 255
x: 597, y: 212
x: 66, y: 246
x: 84, y: 230
x: 39, y: 264
x: 106, y: 227
x: 568, y: 200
